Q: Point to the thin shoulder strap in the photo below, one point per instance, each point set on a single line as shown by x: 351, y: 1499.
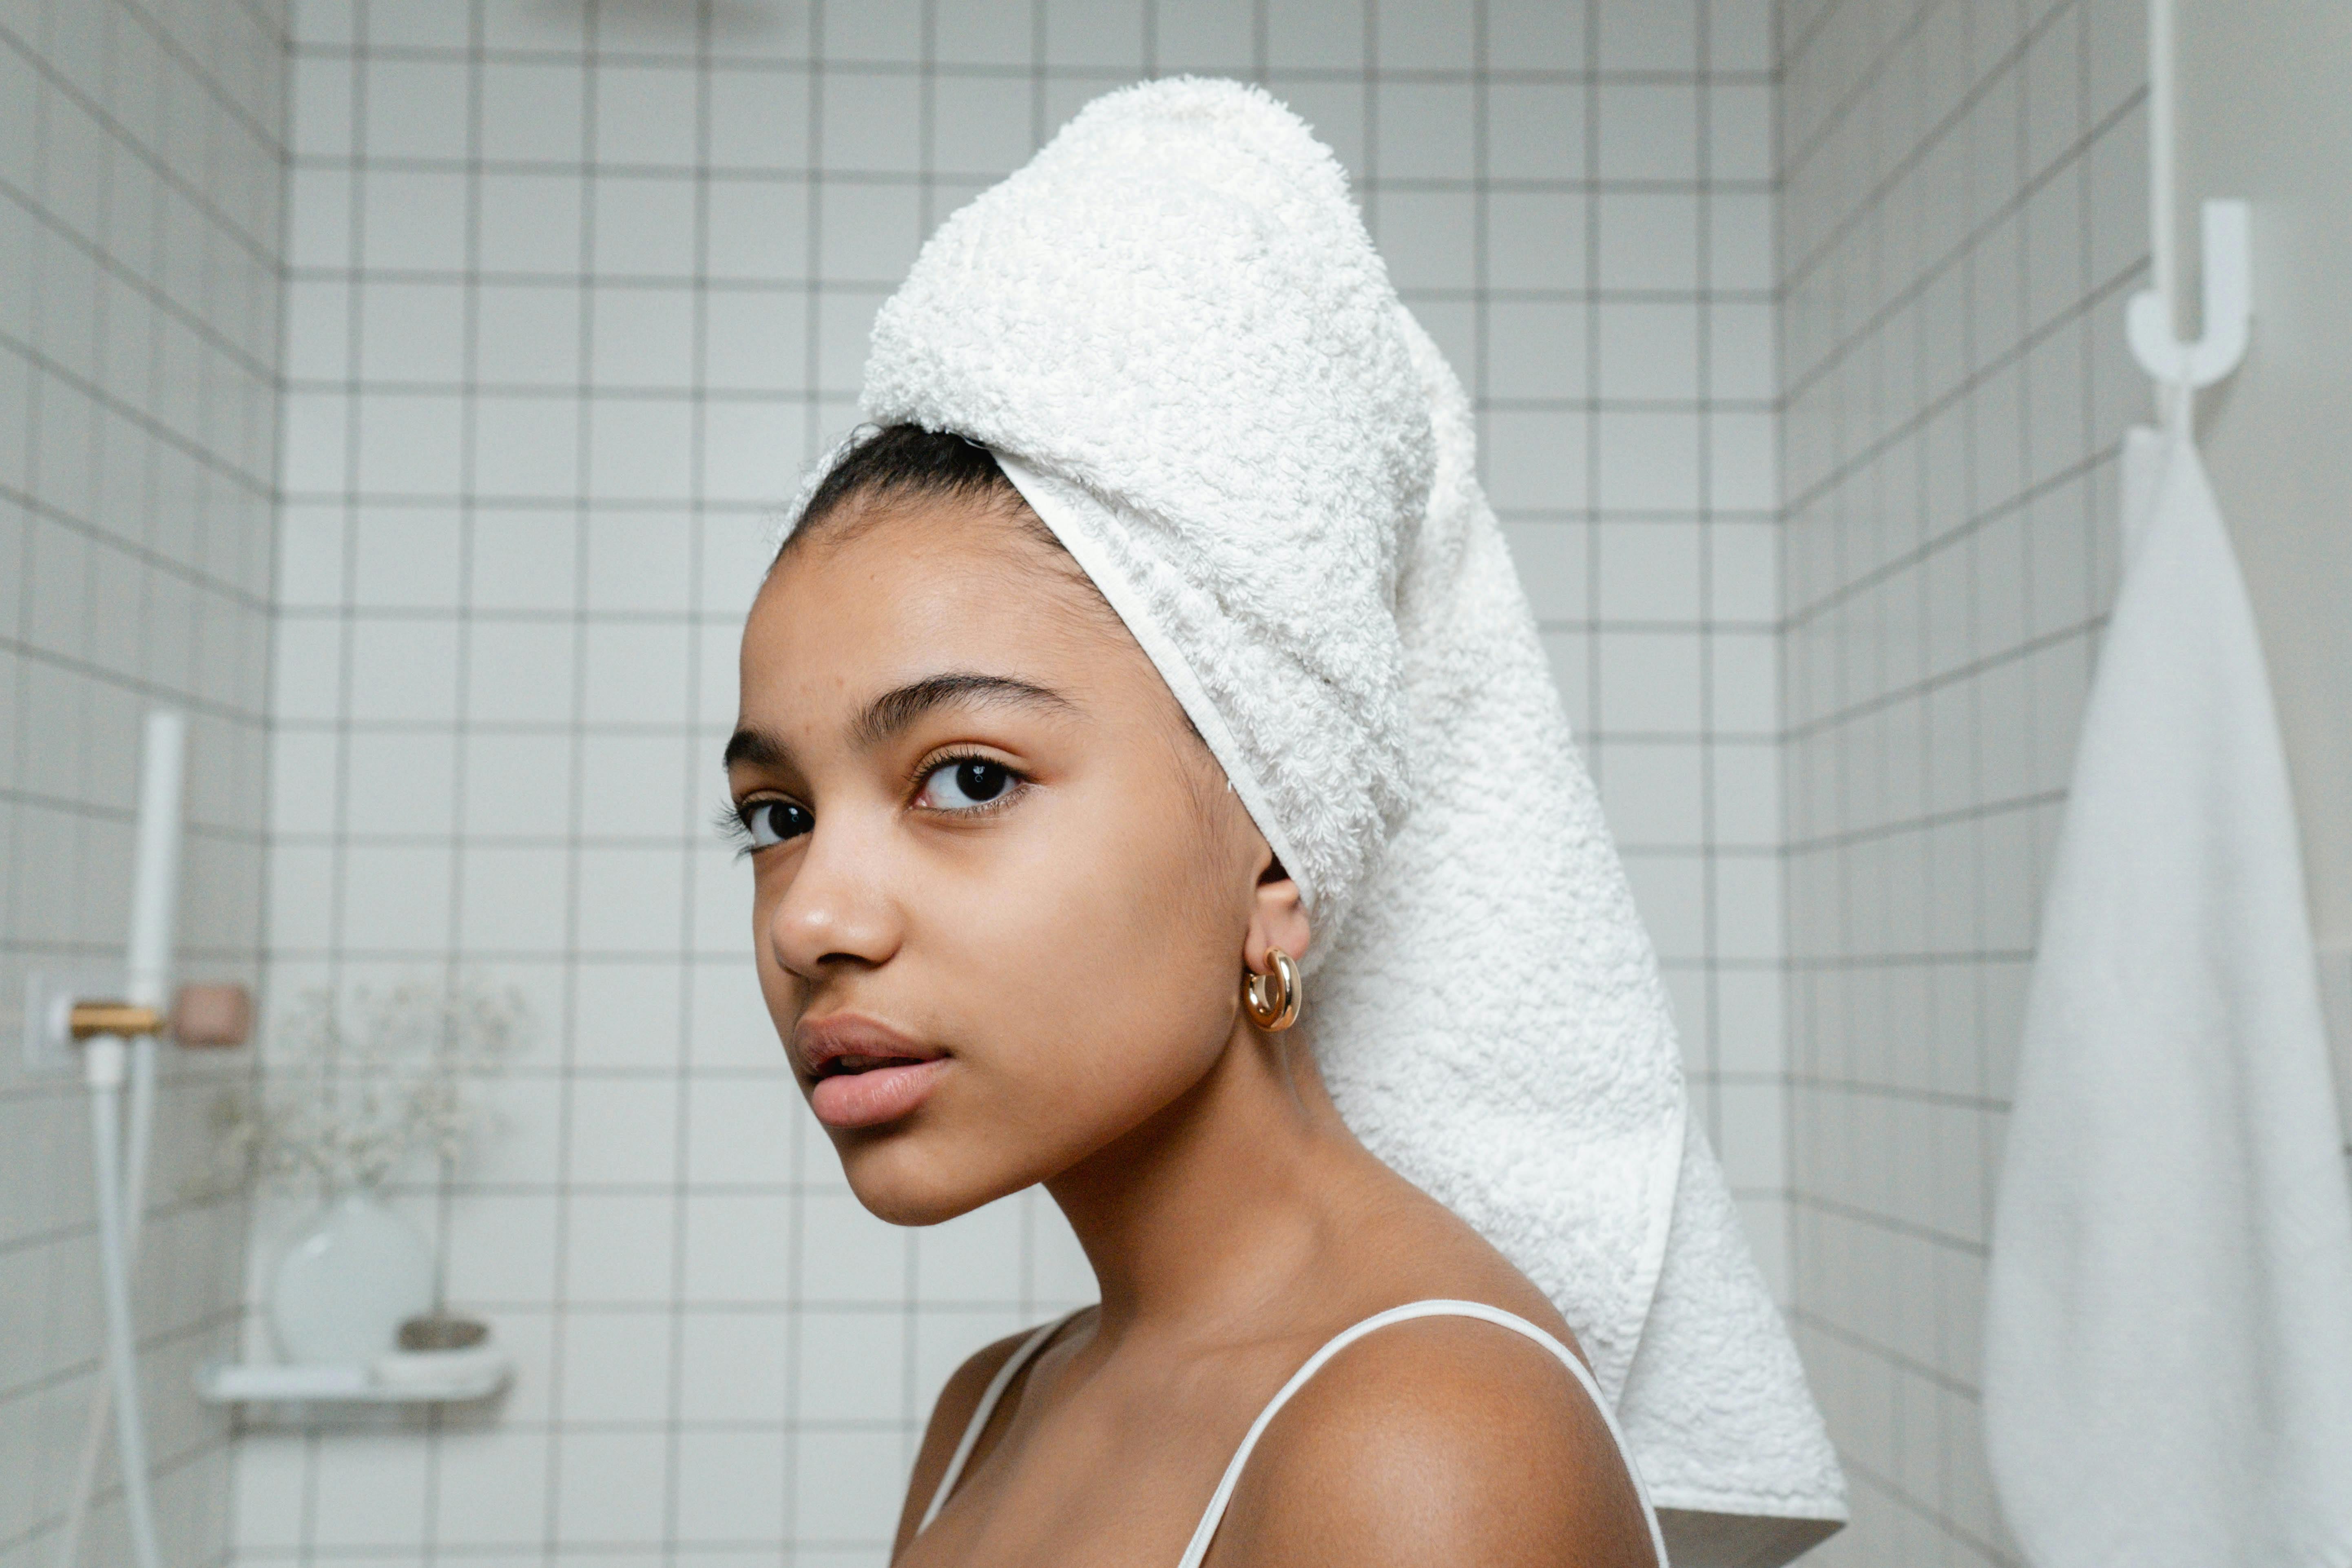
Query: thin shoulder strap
x: 987, y: 1407
x: 1215, y: 1514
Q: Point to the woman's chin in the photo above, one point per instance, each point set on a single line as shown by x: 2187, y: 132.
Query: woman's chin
x: 904, y: 1185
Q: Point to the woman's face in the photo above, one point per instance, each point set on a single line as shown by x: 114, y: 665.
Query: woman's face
x: 1002, y: 894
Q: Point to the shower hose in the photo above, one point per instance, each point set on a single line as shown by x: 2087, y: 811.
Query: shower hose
x: 120, y: 1153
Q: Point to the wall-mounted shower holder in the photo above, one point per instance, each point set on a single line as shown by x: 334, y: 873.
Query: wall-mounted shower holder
x: 65, y: 1007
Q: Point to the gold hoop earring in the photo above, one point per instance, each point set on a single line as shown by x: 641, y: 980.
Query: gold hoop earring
x: 1272, y: 1000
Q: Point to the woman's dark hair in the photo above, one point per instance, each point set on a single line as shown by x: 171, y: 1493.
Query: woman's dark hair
x: 907, y: 462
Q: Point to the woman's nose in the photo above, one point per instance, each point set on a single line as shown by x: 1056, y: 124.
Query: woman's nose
x: 836, y: 909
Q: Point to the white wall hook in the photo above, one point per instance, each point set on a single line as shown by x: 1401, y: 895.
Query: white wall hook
x: 2229, y: 306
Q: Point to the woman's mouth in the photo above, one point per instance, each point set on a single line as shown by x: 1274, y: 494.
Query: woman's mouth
x: 867, y: 1073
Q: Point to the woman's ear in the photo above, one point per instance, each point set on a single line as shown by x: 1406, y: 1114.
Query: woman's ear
x: 1277, y: 918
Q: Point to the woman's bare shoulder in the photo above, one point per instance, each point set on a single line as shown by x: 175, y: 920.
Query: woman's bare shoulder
x: 1438, y: 1439
x: 950, y: 1415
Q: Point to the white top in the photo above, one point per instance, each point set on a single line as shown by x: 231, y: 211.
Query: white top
x: 1215, y: 1514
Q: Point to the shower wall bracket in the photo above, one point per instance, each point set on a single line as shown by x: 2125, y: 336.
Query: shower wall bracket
x: 50, y: 997
x: 64, y: 1008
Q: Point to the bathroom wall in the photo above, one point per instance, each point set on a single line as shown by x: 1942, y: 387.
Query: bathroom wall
x: 139, y: 200
x: 573, y: 292
x: 1963, y: 211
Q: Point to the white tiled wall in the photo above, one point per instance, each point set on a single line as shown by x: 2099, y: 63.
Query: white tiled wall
x: 1963, y: 214
x: 573, y: 292
x: 140, y: 195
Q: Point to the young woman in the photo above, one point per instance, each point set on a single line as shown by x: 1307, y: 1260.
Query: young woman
x: 1007, y: 914
x: 1074, y: 779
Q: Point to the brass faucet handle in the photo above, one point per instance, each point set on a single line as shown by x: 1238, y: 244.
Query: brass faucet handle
x: 90, y: 1018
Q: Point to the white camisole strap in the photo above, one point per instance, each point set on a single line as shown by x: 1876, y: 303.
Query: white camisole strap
x: 1214, y: 1515
x: 988, y: 1397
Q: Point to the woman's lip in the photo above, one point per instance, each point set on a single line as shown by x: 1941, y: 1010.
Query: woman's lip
x: 877, y: 1094
x: 819, y: 1041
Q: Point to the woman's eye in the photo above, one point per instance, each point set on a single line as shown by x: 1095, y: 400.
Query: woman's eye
x: 963, y: 784
x: 773, y: 820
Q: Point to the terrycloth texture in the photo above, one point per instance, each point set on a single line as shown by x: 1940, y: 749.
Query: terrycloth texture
x: 2168, y: 1374
x: 1173, y: 330
x: 1083, y: 315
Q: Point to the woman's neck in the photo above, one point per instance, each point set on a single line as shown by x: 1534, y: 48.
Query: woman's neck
x: 1225, y: 1200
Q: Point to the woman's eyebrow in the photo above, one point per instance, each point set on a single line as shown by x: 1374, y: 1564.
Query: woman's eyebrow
x: 757, y: 748
x: 892, y: 711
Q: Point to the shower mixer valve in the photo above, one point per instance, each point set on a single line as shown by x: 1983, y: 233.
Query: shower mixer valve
x: 63, y: 1010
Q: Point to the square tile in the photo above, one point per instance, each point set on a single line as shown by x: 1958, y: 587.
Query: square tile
x: 847, y: 1255
x: 642, y: 338
x: 619, y: 1247
x: 642, y: 226
x: 511, y: 784
x: 1427, y: 130
x: 1649, y: 461
x: 739, y: 1248
x: 532, y: 111
x: 1647, y: 131
x: 1536, y: 461
x: 734, y: 1367
x: 1535, y: 241
x: 1650, y: 571
x: 512, y: 901
x: 627, y: 1015
x: 645, y: 115
x: 1536, y: 37
x: 1647, y: 241
x: 492, y: 1489
x: 1648, y: 35
x: 1648, y: 352
x: 369, y: 1492
x: 1649, y: 682
x: 732, y: 1487
x: 977, y: 1259
x: 847, y: 1488
x: 637, y: 562
x: 612, y: 1487
x: 741, y: 1133
x: 1209, y: 37
x: 615, y: 1367
x: 623, y: 1131
x: 852, y: 1365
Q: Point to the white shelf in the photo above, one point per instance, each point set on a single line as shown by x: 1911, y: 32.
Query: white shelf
x: 228, y: 1383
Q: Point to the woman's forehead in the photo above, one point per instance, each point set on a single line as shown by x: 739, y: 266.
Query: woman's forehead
x: 938, y: 591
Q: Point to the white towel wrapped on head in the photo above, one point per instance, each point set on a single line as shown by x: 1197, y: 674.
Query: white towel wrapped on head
x: 1173, y: 330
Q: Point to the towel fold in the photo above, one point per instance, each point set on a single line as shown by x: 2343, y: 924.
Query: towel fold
x: 1174, y: 332
x: 2167, y: 1378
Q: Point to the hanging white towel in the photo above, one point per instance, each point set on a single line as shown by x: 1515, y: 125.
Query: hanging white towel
x: 2168, y: 1329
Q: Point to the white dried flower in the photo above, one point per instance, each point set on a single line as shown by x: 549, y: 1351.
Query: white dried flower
x: 350, y: 1108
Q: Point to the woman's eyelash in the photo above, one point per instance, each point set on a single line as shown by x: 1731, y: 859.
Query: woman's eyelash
x: 729, y: 820
x: 933, y: 763
x: 930, y: 766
